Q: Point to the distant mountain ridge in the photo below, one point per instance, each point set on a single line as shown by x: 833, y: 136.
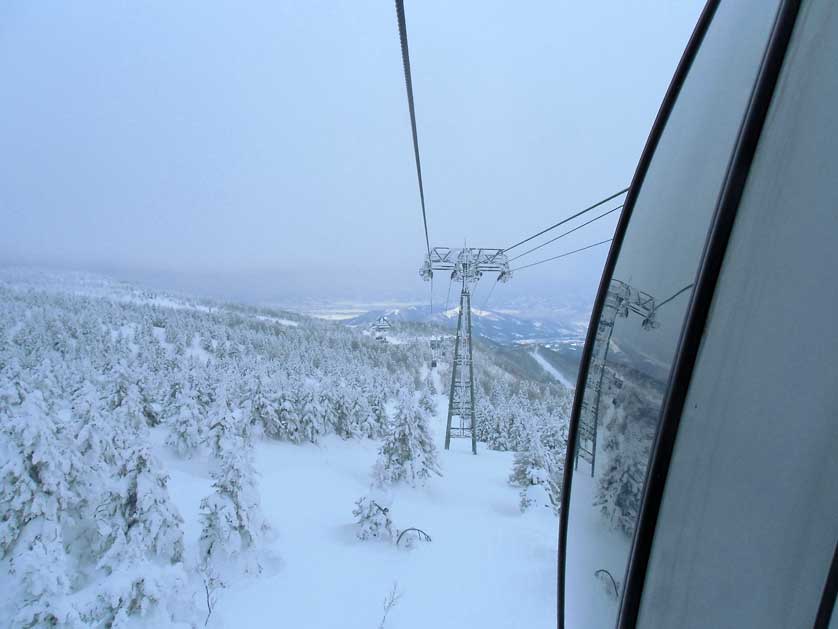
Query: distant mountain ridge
x: 499, y: 327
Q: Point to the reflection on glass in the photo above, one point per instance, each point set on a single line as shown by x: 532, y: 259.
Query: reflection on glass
x: 749, y: 516
x: 621, y: 403
x: 639, y: 328
x: 628, y: 385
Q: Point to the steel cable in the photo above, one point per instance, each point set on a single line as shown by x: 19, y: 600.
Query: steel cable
x: 563, y: 255
x: 562, y: 235
x: 566, y: 220
x: 408, y: 81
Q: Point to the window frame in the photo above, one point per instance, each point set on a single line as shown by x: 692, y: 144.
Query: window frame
x: 826, y: 609
x: 696, y: 316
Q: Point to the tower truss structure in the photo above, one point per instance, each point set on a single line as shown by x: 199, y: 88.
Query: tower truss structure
x: 620, y: 300
x: 467, y: 266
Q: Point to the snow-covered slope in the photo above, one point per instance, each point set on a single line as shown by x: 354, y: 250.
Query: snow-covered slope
x: 490, y: 324
x: 550, y: 369
x: 161, y: 452
x: 488, y: 565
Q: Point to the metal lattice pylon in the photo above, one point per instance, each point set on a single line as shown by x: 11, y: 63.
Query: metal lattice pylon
x: 466, y: 265
x: 461, y: 396
x: 619, y: 301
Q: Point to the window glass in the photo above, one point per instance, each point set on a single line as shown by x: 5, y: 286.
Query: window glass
x: 749, y: 518
x: 649, y: 291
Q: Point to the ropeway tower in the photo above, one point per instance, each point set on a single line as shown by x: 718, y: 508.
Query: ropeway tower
x: 467, y: 266
x: 621, y: 299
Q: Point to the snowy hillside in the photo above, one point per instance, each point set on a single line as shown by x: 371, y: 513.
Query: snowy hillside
x: 168, y: 461
x: 496, y: 326
x: 487, y: 564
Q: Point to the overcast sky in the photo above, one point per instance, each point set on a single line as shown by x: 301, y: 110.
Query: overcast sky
x: 257, y: 149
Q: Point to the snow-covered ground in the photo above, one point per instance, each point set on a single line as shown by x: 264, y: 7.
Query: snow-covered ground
x: 488, y: 565
x: 177, y: 375
x: 554, y: 373
x: 280, y: 321
x: 593, y: 547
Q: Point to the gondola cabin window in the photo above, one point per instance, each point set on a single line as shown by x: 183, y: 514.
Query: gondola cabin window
x: 647, y: 297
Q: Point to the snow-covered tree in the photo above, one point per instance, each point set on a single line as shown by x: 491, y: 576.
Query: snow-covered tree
x: 620, y: 488
x: 148, y: 383
x: 310, y: 415
x: 427, y: 401
x: 327, y: 405
x: 540, y: 465
x: 489, y: 428
x: 42, y: 489
x: 408, y: 452
x: 185, y: 421
x: 263, y: 408
x: 295, y: 418
x: 373, y: 520
x: 126, y: 400
x: 373, y: 422
x: 628, y: 428
x: 342, y: 411
x: 138, y: 521
x: 206, y: 383
x: 231, y: 516
x: 82, y: 380
x: 42, y: 481
x: 97, y: 439
x: 41, y: 564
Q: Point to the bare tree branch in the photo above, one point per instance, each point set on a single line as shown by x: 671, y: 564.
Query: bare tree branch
x: 390, y: 602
